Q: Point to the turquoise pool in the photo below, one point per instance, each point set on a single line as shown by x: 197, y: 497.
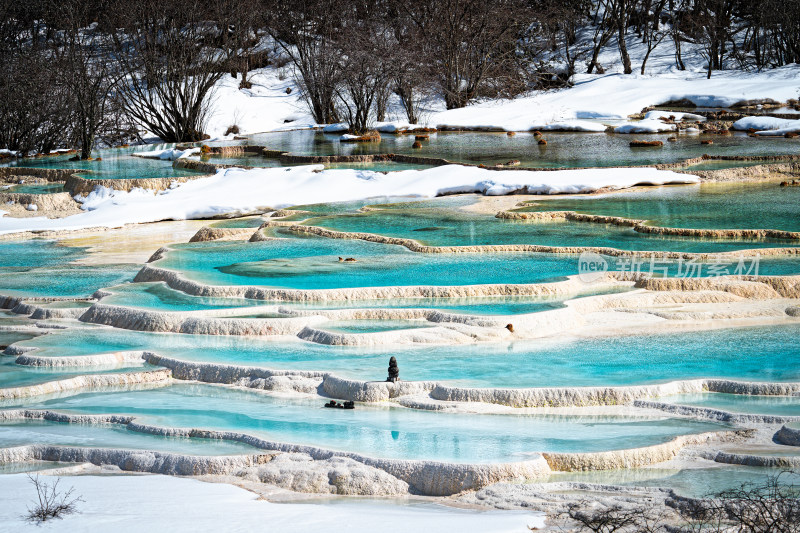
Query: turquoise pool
x: 743, y: 205
x: 764, y: 353
x: 737, y: 403
x: 564, y: 150
x: 378, y: 431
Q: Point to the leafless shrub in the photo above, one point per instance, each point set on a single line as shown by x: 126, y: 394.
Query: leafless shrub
x: 51, y: 502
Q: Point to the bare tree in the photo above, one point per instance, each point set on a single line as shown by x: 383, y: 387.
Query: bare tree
x: 165, y: 49
x: 306, y: 31
x: 51, y: 502
x: 471, y: 44
x: 84, y: 54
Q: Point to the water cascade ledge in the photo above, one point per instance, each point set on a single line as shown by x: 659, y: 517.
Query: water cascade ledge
x: 328, y: 384
x: 89, y: 382
x: 441, y: 327
x: 176, y: 281
x: 715, y: 414
x: 77, y: 185
x: 415, y: 246
x: 641, y: 226
x: 430, y: 478
x: 43, y: 202
x: 767, y: 461
x: 790, y: 436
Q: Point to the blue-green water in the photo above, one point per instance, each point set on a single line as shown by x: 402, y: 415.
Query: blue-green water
x: 14, y: 375
x: 116, y: 163
x: 160, y: 297
x: 375, y: 430
x: 38, y: 267
x: 692, y: 483
x: 35, y: 188
x: 741, y: 205
x: 36, y: 253
x: 267, y: 162
x: 451, y: 228
x: 737, y: 403
x: 65, y: 281
x: 372, y: 326
x: 764, y: 353
x: 20, y: 433
x: 563, y: 150
x: 313, y: 263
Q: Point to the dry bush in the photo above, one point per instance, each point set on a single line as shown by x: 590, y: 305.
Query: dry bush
x: 51, y: 501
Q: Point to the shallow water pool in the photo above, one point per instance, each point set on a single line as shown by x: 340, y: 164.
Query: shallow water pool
x: 764, y: 353
x: 378, y: 430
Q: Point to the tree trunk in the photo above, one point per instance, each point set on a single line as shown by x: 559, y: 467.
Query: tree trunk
x: 623, y: 50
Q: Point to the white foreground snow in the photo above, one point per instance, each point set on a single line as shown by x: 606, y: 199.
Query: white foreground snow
x: 645, y: 126
x: 168, y: 154
x: 768, y: 125
x: 162, y: 503
x: 236, y: 191
x: 616, y: 96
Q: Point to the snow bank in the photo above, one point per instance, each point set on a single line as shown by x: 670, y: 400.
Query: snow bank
x: 680, y: 117
x: 645, y: 126
x: 162, y: 503
x: 572, y: 125
x: 767, y: 125
x: 394, y: 127
x: 266, y: 106
x: 336, y: 128
x: 235, y: 191
x: 170, y: 154
x: 616, y: 96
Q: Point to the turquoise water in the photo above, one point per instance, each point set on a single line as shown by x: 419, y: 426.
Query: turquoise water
x: 737, y: 403
x: 160, y: 297
x: 14, y: 375
x: 378, y: 430
x: 267, y: 162
x: 10, y: 337
x: 36, y: 253
x: 692, y: 483
x: 723, y: 164
x: 313, y: 263
x: 563, y: 150
x: 250, y: 222
x: 452, y: 228
x: 372, y: 326
x: 117, y: 163
x: 38, y: 267
x: 73, y: 281
x: 765, y: 353
x: 20, y: 433
x: 709, y: 205
x: 47, y: 188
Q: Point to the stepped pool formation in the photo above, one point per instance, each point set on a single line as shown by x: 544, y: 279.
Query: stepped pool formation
x: 568, y: 320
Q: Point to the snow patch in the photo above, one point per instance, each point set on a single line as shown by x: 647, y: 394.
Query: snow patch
x: 645, y: 126
x: 679, y: 117
x: 236, y: 191
x: 336, y: 128
x: 170, y: 154
x: 180, y: 505
x: 768, y: 125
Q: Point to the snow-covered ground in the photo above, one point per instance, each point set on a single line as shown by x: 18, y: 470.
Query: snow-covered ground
x: 162, y: 503
x: 236, y: 191
x: 168, y: 154
x: 768, y: 125
x: 595, y: 98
